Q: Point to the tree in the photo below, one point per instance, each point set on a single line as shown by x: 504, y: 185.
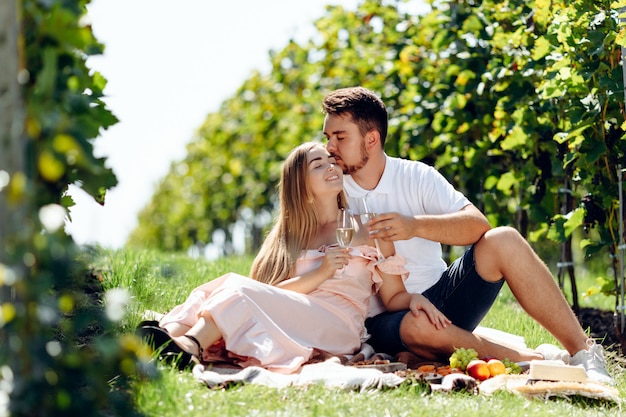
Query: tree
x: 519, y: 104
x: 233, y: 166
x: 58, y: 355
x: 530, y: 105
x: 11, y: 117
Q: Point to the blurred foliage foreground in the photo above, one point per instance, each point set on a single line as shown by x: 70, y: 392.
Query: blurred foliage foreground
x: 59, y: 356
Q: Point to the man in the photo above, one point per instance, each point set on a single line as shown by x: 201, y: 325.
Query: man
x: 420, y: 210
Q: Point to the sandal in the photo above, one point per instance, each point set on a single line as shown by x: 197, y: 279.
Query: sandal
x: 155, y: 336
x: 148, y: 323
x: 173, y: 354
x: 170, y: 352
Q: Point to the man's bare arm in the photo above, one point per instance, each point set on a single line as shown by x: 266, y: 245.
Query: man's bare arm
x: 463, y: 227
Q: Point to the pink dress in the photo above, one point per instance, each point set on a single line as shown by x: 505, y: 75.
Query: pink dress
x: 278, y: 329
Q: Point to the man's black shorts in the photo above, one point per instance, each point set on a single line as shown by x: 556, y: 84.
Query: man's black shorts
x: 461, y: 294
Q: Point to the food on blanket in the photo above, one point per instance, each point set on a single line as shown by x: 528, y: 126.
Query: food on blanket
x: 371, y: 362
x: 511, y: 366
x: 461, y: 357
x: 385, y: 367
x: 458, y: 382
x: 478, y: 369
x: 444, y: 370
x: 447, y: 370
x: 426, y: 368
x: 556, y: 371
x: 496, y: 367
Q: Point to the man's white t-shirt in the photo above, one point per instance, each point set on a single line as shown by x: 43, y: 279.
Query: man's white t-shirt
x: 413, y: 188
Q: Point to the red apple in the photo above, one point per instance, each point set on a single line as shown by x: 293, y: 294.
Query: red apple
x: 478, y: 369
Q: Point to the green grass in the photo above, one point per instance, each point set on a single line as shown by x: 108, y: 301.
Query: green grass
x: 159, y: 281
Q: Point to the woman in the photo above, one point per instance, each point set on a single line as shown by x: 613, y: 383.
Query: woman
x: 307, y: 293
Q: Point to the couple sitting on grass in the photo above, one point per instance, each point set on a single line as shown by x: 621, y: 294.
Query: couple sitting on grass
x: 307, y: 294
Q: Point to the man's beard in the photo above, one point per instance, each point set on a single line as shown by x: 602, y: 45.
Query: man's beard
x: 351, y: 169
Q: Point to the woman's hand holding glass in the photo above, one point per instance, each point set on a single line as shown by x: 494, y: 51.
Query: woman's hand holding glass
x: 345, y: 230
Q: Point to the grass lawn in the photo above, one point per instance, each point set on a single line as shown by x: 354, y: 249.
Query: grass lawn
x: 159, y: 281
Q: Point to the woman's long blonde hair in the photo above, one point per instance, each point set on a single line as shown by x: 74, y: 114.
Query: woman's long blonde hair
x: 296, y: 222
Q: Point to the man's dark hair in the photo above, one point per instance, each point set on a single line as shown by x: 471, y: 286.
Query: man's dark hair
x: 367, y: 110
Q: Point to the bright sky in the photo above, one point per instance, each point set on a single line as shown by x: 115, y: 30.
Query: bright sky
x: 169, y: 64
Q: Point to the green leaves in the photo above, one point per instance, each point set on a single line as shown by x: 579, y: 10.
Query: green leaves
x: 63, y: 98
x: 564, y: 225
x: 509, y: 100
x: 514, y: 139
x: 61, y: 354
x: 542, y: 48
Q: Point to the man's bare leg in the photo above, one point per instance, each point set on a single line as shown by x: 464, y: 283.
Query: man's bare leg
x: 427, y: 342
x: 503, y: 252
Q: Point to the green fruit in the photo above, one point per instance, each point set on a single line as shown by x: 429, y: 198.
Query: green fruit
x: 461, y: 357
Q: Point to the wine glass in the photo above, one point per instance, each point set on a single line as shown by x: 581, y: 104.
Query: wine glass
x: 345, y: 230
x: 366, y: 213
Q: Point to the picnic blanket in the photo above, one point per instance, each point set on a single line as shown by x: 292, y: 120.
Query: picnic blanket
x: 333, y: 374
x: 341, y: 373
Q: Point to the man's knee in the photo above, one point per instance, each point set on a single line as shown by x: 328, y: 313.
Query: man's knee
x: 496, y: 248
x: 417, y: 332
x: 423, y: 339
x: 500, y: 238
